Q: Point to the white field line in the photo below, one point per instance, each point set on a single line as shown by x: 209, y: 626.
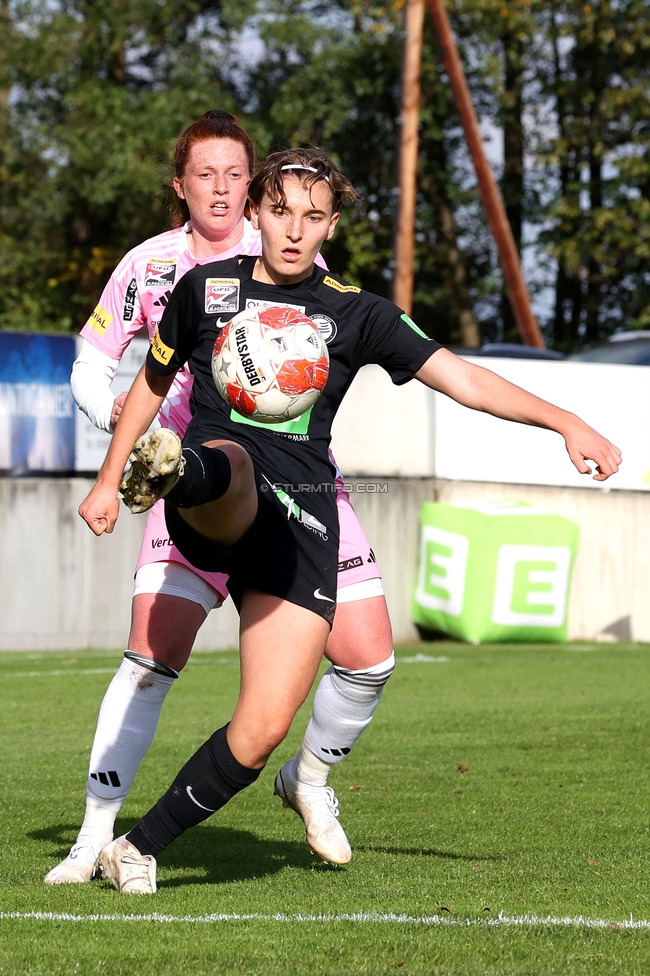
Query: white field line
x: 417, y: 659
x: 64, y: 671
x: 372, y: 918
x: 56, y: 674
x: 422, y: 659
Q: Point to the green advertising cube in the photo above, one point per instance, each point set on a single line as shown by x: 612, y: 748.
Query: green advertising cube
x: 494, y: 570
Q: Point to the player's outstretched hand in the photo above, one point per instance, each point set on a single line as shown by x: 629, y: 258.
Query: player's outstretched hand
x: 585, y: 444
x: 100, y: 509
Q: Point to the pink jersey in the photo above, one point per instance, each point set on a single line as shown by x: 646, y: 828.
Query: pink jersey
x: 136, y: 295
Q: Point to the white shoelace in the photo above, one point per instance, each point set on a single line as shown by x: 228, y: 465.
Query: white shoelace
x: 332, y: 801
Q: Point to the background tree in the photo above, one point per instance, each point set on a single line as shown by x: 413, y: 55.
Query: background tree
x: 335, y: 83
x: 99, y: 92
x: 599, y: 158
x: 92, y: 97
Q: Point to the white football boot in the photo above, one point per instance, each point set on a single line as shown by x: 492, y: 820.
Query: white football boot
x: 76, y: 868
x: 156, y: 465
x: 131, y: 872
x: 319, y: 808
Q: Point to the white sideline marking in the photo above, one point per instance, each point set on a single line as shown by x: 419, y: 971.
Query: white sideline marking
x: 61, y: 671
x: 49, y: 674
x: 422, y: 659
x: 373, y: 918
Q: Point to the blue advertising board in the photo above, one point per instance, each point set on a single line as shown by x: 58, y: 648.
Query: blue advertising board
x: 37, y: 412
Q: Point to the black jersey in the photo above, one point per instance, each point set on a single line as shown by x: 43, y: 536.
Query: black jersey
x: 358, y: 327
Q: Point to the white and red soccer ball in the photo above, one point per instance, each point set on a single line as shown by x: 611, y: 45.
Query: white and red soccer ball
x: 270, y: 364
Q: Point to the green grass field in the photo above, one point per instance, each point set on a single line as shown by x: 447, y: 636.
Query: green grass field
x: 500, y: 790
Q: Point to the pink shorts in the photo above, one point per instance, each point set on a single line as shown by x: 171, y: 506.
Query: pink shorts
x: 357, y: 563
x: 157, y: 547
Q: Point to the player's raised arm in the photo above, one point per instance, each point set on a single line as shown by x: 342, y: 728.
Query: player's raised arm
x: 100, y: 508
x: 481, y: 389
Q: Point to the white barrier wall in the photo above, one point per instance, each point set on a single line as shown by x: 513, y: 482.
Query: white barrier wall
x: 63, y: 588
x: 411, y: 431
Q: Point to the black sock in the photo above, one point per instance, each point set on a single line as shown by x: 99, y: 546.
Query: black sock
x: 205, y: 784
x: 205, y: 478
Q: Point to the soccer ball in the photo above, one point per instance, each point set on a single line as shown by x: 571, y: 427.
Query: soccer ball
x: 270, y: 364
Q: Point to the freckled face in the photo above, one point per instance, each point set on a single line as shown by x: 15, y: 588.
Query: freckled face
x: 215, y: 186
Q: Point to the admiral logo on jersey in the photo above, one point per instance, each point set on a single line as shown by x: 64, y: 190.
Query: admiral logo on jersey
x: 129, y: 300
x: 338, y: 286
x: 160, y: 274
x: 99, y: 319
x: 160, y: 351
x: 221, y: 295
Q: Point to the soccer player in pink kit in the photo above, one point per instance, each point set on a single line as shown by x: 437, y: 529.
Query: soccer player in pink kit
x: 214, y: 161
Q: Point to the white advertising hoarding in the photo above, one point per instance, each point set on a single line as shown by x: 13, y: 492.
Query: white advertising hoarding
x: 413, y: 432
x: 410, y: 431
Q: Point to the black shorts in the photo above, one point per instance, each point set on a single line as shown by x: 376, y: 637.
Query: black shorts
x: 291, y: 549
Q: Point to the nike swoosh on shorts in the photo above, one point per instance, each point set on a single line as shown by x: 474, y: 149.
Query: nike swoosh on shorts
x: 321, y: 596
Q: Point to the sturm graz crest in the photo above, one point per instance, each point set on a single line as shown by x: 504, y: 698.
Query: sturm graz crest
x: 325, y: 325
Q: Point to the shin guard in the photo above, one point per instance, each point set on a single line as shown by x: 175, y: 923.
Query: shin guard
x: 206, y: 477
x: 205, y: 784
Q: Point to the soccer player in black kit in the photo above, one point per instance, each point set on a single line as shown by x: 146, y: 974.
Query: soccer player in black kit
x: 231, y: 509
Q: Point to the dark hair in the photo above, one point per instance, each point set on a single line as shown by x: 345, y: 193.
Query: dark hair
x: 216, y: 124
x: 310, y: 166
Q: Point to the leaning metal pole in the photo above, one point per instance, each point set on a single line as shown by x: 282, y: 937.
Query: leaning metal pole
x: 408, y: 156
x: 519, y: 298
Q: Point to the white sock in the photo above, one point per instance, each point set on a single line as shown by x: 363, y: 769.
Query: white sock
x: 97, y: 827
x: 125, y: 729
x: 344, y: 704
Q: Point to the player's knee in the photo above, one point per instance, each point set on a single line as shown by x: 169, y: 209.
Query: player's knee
x: 270, y: 737
x: 241, y: 466
x: 369, y: 680
x: 255, y: 736
x: 277, y: 732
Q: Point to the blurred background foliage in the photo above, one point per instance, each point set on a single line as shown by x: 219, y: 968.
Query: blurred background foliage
x: 92, y: 97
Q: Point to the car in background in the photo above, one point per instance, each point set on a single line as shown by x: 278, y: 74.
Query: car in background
x: 508, y: 350
x: 625, y: 348
x: 514, y: 350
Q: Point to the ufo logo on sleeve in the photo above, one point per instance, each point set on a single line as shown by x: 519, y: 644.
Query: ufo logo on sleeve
x: 221, y: 295
x: 160, y: 274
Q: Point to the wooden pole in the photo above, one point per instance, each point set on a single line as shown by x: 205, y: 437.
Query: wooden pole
x: 519, y: 298
x: 408, y: 156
